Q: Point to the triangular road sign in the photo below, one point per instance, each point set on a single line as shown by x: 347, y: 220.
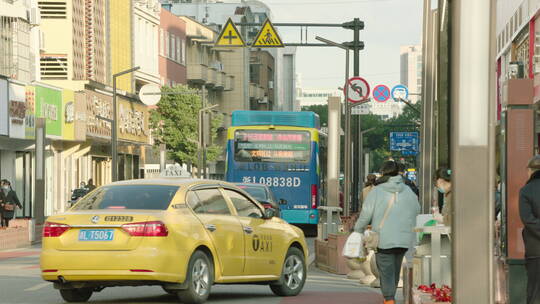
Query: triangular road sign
x: 230, y: 36
x: 267, y: 36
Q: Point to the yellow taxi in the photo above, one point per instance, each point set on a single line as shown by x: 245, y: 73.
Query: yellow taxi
x: 182, y: 234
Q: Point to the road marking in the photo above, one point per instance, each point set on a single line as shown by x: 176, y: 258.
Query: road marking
x: 38, y: 286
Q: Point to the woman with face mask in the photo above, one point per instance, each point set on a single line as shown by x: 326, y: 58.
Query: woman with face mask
x: 443, y: 183
x: 11, y: 202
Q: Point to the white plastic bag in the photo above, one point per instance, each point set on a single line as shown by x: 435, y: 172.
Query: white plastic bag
x: 354, y: 247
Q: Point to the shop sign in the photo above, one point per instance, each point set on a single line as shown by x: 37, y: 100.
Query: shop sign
x: 49, y: 106
x: 68, y: 100
x: 98, y: 105
x: 133, y: 121
x: 79, y: 116
x: 17, y: 110
x: 4, y: 121
x: 29, y: 117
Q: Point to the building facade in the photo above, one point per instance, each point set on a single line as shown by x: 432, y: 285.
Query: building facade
x: 172, y: 49
x: 411, y: 69
x: 146, y: 22
x: 282, y: 86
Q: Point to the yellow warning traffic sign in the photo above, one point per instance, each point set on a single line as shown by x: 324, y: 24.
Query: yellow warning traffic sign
x: 267, y: 36
x: 230, y: 36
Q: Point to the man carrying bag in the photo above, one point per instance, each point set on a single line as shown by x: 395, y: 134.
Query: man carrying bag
x: 391, y: 208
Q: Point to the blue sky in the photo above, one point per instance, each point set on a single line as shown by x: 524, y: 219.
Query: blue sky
x: 388, y: 25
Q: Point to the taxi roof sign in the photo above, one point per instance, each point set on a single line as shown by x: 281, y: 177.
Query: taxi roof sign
x: 174, y: 171
x: 267, y: 36
x: 230, y: 36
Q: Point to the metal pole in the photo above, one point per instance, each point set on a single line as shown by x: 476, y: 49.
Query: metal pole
x: 39, y: 182
x: 114, y: 133
x: 473, y: 129
x: 347, y: 168
x: 162, y: 151
x: 114, y: 139
x: 334, y: 127
x: 357, y: 159
x: 199, y: 158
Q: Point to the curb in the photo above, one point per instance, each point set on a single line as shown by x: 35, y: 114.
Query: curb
x: 311, y: 260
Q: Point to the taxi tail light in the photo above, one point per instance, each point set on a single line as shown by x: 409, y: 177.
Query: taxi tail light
x: 154, y: 228
x: 314, y: 194
x: 51, y: 229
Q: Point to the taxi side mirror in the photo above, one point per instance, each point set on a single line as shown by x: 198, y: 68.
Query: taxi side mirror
x: 269, y: 213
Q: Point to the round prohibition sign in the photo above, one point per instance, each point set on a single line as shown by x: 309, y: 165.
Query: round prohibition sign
x: 381, y: 93
x: 358, y: 89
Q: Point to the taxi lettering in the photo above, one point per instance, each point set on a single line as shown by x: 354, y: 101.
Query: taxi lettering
x: 262, y: 243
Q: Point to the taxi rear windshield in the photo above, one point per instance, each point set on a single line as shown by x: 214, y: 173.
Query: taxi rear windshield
x: 147, y: 197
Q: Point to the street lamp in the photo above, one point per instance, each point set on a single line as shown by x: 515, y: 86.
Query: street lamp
x: 347, y: 161
x: 202, y: 144
x: 114, y: 133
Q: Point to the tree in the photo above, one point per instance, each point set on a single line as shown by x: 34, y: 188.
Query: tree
x: 175, y: 123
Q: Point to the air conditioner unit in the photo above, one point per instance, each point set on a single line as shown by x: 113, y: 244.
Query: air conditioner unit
x: 35, y: 17
x: 264, y: 100
x: 42, y: 41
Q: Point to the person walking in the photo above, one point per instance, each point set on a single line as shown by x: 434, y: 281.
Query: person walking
x: 443, y: 183
x: 529, y: 211
x: 391, y: 209
x: 11, y: 202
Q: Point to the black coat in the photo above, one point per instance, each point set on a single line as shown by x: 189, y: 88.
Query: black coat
x: 10, y: 198
x: 529, y: 211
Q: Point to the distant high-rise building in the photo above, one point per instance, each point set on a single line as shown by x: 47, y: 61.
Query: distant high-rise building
x: 411, y: 69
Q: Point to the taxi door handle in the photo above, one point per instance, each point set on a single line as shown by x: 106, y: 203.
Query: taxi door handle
x: 248, y: 230
x: 210, y: 227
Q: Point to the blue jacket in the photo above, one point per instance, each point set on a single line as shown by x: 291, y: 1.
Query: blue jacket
x: 397, y: 231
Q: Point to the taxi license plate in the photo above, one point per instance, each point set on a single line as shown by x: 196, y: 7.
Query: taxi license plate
x: 96, y: 235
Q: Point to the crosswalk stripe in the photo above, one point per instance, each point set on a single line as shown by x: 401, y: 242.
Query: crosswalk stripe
x: 38, y: 286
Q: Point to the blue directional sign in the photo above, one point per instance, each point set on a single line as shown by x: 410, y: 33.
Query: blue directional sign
x: 400, y: 92
x: 406, y: 142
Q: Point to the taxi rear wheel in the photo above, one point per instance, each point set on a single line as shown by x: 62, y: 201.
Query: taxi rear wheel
x: 293, y: 274
x: 200, y: 278
x: 76, y: 294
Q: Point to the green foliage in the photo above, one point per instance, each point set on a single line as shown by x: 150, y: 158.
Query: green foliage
x: 175, y: 123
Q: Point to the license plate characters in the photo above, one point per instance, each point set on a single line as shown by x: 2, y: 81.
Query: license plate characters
x: 96, y: 235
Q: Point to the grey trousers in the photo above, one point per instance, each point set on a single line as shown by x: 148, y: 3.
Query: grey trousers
x: 389, y: 265
x: 533, y: 280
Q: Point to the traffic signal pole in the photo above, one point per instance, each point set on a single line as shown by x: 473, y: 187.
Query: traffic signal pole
x: 356, y: 46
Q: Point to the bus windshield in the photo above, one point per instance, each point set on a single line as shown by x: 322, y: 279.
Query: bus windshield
x: 272, y: 146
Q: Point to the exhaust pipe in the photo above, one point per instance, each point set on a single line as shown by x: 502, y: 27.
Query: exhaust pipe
x: 62, y: 280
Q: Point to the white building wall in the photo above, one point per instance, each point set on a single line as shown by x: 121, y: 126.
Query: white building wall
x: 410, y: 69
x: 145, y: 36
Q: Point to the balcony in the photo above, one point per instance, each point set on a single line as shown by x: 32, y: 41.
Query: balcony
x: 221, y: 80
x: 197, y: 73
x: 212, y: 77
x: 229, y: 82
x: 255, y: 91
